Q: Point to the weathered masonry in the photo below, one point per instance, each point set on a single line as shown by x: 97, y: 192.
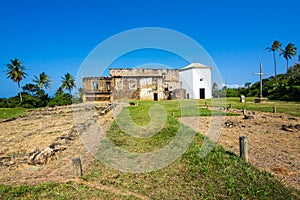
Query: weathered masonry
x: 139, y: 84
x: 142, y: 84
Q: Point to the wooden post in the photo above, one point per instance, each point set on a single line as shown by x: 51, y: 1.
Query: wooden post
x: 274, y: 109
x: 77, y: 167
x: 244, y: 148
x: 244, y: 111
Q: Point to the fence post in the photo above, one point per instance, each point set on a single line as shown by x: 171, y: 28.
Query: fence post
x: 244, y: 148
x: 244, y: 111
x: 77, y: 167
x: 274, y: 109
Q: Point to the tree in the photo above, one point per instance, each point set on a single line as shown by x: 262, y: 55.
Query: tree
x: 68, y: 82
x: 16, y: 73
x: 247, y: 85
x: 276, y: 46
x: 42, y: 81
x: 31, y: 88
x: 215, y: 86
x: 215, y: 90
x: 288, y: 52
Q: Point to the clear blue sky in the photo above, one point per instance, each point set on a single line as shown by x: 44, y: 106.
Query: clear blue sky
x: 55, y: 36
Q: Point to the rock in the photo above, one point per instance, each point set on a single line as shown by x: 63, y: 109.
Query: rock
x: 229, y: 124
x: 248, y: 117
x: 41, y: 157
x: 292, y: 118
x: 8, y: 119
x: 287, y: 128
x: 102, y: 112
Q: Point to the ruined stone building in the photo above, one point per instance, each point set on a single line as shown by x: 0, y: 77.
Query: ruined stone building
x: 143, y: 84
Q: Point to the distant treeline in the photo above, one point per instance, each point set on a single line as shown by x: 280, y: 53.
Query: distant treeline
x: 284, y: 87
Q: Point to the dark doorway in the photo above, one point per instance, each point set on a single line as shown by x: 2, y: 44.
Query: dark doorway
x: 155, y: 96
x: 202, y: 93
x: 187, y: 95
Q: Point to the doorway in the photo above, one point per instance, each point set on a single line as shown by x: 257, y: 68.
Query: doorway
x: 202, y: 93
x: 155, y: 97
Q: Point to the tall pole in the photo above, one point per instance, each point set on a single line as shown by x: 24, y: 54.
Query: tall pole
x: 260, y: 78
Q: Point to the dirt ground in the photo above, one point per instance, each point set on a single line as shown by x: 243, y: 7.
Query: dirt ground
x: 37, y: 131
x: 270, y: 147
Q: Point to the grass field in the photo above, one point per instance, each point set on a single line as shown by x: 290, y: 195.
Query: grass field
x: 11, y: 112
x: 292, y: 108
x: 219, y: 175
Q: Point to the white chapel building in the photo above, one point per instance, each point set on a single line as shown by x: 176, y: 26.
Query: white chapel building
x: 196, y: 80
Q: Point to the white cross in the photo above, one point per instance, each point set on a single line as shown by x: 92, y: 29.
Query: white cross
x: 261, y: 74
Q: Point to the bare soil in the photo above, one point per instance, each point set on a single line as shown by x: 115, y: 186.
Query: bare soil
x: 37, y: 131
x: 270, y: 148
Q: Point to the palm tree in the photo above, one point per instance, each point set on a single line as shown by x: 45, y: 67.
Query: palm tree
x: 42, y: 81
x: 68, y: 82
x: 276, y: 46
x: 16, y: 73
x: 288, y: 52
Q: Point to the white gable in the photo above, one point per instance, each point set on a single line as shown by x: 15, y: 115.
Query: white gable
x: 196, y: 80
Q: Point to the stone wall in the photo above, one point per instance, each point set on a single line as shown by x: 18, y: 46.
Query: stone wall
x: 148, y: 82
x: 143, y: 88
x: 140, y: 84
x: 97, y: 88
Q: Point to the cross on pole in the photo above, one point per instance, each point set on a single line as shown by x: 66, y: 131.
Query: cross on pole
x: 261, y: 74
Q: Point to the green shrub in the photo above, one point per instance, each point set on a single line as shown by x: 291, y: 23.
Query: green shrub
x: 60, y: 99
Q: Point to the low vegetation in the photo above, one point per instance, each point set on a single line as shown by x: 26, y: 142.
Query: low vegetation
x: 288, y: 107
x: 219, y: 175
x: 284, y: 87
x: 11, y: 112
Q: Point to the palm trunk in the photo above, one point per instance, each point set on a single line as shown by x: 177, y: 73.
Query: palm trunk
x: 275, y: 66
x: 19, y: 90
x: 287, y: 65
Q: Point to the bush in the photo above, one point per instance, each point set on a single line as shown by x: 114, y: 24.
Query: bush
x: 60, y: 99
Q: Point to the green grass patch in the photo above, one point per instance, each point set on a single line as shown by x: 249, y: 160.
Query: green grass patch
x: 57, y: 191
x: 11, y: 112
x: 219, y: 175
x: 292, y: 108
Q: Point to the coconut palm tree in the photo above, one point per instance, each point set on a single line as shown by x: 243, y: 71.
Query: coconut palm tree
x: 16, y: 73
x: 276, y: 46
x: 42, y: 81
x: 288, y: 52
x: 68, y: 82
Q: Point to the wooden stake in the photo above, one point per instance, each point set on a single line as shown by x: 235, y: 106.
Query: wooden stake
x: 244, y: 148
x: 244, y: 111
x: 77, y: 167
x: 274, y: 109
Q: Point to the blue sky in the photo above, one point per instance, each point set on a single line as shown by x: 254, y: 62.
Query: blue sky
x: 55, y: 36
